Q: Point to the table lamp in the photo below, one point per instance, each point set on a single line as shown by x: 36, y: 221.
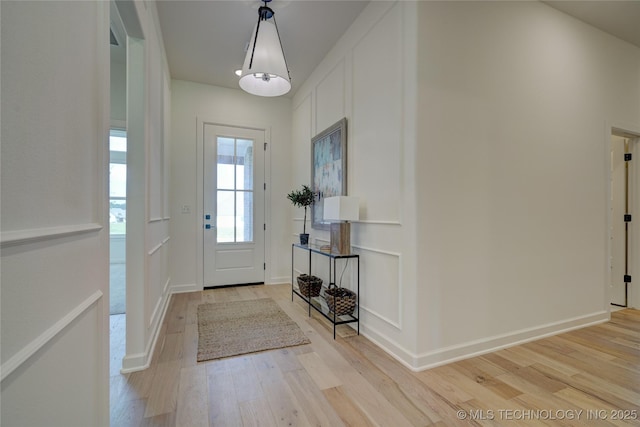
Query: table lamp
x: 340, y: 210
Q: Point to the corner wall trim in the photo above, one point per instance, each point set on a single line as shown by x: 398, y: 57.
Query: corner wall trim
x: 32, y: 348
x: 140, y: 361
x: 21, y: 237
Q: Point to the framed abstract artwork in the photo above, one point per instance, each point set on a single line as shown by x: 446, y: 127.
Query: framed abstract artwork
x: 328, y: 169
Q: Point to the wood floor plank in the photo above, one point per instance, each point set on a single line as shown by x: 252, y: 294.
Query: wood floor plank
x: 459, y: 378
x: 139, y: 383
x: 321, y: 373
x: 317, y: 409
x: 538, y: 357
x: 192, y: 408
x: 350, y: 381
x: 171, y: 347
x: 224, y: 410
x: 436, y: 380
x: 162, y: 420
x: 287, y: 358
x: 164, y: 389
x: 129, y: 415
x: 585, y: 364
x: 591, y: 404
x: 485, y: 373
x: 400, y: 394
x: 285, y: 406
x: 256, y: 413
x: 244, y: 381
x: 190, y: 345
x: 422, y: 396
x: 350, y: 414
x: 544, y: 411
x: 176, y: 313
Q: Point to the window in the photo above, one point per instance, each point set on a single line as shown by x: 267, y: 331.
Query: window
x: 234, y: 219
x: 118, y: 182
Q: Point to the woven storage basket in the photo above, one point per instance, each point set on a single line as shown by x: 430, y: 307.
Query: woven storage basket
x: 309, y: 285
x: 340, y: 300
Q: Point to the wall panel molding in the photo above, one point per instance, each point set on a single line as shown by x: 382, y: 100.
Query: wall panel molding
x: 377, y: 222
x: 398, y: 322
x: 34, y: 346
x: 155, y: 249
x: 22, y: 237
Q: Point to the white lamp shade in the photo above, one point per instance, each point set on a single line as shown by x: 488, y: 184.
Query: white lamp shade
x: 268, y: 75
x: 341, y: 208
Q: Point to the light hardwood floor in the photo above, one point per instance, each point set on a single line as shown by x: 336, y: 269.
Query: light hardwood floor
x: 585, y: 377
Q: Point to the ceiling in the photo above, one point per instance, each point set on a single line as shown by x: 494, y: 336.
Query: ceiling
x: 205, y: 41
x: 618, y: 18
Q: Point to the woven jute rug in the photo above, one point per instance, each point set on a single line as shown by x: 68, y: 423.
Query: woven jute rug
x: 239, y: 327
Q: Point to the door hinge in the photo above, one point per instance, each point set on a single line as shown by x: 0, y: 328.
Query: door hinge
x: 265, y: 146
x: 265, y: 186
x: 627, y: 157
x: 264, y: 266
x: 265, y: 227
x: 627, y: 217
x: 627, y: 278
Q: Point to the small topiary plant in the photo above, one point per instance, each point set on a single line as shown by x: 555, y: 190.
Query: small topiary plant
x: 302, y: 198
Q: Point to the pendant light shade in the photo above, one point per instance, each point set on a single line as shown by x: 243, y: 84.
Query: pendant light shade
x: 265, y: 72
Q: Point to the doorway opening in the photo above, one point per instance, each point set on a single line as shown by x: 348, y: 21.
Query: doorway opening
x: 623, y: 186
x: 117, y: 191
x: 117, y: 220
x: 234, y: 205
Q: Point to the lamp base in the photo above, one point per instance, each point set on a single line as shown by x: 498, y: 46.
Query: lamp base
x: 341, y: 238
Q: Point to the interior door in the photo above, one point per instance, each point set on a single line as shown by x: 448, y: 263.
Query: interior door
x: 233, y: 205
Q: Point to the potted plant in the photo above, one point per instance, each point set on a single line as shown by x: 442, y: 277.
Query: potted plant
x: 302, y: 199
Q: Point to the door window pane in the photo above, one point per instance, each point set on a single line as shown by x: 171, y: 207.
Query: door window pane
x: 244, y: 165
x: 117, y: 216
x: 244, y: 216
x: 117, y: 180
x: 226, y: 163
x: 225, y: 218
x: 234, y: 219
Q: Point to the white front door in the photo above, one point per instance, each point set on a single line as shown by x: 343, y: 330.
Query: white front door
x: 233, y: 205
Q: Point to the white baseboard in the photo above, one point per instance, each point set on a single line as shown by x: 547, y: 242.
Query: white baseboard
x: 476, y: 348
x: 179, y: 289
x: 402, y: 355
x: 141, y: 361
x: 443, y: 356
x: 279, y: 280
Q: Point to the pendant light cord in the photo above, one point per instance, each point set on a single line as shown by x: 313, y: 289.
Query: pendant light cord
x: 262, y: 14
x: 253, y: 50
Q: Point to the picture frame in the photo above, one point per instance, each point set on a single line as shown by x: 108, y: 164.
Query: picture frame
x: 328, y: 169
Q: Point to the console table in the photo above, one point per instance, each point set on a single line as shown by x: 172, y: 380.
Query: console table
x: 318, y: 303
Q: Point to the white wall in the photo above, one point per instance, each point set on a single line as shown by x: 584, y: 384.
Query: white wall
x: 192, y: 101
x: 118, y: 79
x: 482, y: 163
x: 513, y: 154
x: 369, y: 78
x: 55, y: 253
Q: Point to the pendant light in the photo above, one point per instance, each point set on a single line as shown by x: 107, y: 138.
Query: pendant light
x: 265, y: 71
